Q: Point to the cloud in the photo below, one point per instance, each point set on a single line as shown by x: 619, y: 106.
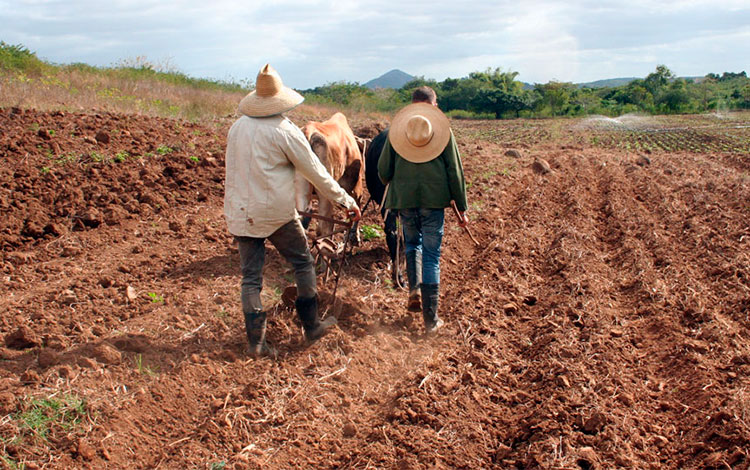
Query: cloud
x: 313, y: 42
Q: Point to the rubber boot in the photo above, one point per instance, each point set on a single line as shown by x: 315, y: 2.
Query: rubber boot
x: 415, y: 301
x: 413, y: 274
x: 307, y: 310
x: 430, y: 294
x: 255, y: 327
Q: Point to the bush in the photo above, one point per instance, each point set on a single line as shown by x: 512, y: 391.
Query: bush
x: 18, y: 58
x: 463, y: 114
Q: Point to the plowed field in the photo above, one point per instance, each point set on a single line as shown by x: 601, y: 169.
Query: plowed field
x: 601, y: 323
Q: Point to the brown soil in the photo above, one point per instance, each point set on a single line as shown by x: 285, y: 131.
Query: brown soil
x: 602, y: 323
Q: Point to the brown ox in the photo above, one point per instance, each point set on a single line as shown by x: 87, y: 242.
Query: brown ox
x: 335, y: 145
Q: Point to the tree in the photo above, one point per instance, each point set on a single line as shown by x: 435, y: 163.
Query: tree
x: 499, y: 102
x: 726, y: 76
x: 342, y: 92
x: 494, y: 91
x: 556, y: 95
x: 457, y: 93
x: 409, y: 87
x: 745, y: 97
x: 676, y: 98
x: 505, y: 81
x: 706, y: 90
x: 658, y: 79
x: 585, y: 101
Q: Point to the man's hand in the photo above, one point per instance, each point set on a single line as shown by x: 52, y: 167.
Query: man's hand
x: 463, y: 220
x: 354, y: 214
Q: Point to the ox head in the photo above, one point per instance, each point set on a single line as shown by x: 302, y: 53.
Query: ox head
x: 335, y: 145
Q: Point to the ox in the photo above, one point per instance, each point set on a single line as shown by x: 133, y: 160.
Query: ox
x: 335, y: 145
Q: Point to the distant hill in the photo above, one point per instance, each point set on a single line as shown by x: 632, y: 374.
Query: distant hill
x: 615, y: 82
x: 393, y: 79
x: 396, y: 79
x: 607, y: 83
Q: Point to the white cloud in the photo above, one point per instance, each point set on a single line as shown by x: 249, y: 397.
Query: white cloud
x: 312, y: 42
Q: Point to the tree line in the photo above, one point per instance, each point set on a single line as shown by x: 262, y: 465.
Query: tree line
x: 492, y: 93
x: 495, y: 93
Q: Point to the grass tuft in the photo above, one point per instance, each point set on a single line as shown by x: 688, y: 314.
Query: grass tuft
x: 43, y: 415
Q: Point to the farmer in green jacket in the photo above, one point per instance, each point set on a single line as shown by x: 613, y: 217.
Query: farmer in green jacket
x: 421, y: 164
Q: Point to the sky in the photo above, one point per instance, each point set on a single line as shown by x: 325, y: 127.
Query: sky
x: 313, y: 43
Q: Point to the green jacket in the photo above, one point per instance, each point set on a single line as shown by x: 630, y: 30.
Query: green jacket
x: 429, y: 185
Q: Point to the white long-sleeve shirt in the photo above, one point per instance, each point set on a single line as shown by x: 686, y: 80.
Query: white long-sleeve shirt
x: 262, y: 157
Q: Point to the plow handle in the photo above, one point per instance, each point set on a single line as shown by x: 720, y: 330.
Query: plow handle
x: 461, y: 219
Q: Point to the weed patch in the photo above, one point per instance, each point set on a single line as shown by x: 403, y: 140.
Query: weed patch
x: 370, y: 232
x: 142, y: 368
x: 44, y: 415
x: 164, y: 150
x: 98, y: 157
x: 121, y: 156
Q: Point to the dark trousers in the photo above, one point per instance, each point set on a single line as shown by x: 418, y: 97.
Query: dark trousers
x: 291, y: 242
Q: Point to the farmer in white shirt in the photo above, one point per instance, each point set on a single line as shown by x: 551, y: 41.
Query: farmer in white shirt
x: 264, y: 150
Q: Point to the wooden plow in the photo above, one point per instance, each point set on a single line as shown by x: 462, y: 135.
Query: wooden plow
x: 324, y: 248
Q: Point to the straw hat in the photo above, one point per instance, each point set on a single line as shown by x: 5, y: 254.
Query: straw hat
x: 419, y: 132
x: 270, y: 96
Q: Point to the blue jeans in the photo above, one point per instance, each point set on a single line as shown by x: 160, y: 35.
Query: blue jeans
x: 423, y: 235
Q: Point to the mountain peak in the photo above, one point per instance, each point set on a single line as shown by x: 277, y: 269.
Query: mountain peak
x: 392, y: 79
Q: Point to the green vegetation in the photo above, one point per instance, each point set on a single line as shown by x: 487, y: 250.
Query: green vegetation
x: 164, y: 149
x: 10, y: 463
x: 495, y: 93
x: 141, y: 367
x: 45, y: 414
x: 156, y: 298
x: 64, y: 159
x: 132, y: 85
x: 18, y: 58
x: 138, y: 85
x: 370, y: 232
x: 356, y: 97
x: 98, y: 157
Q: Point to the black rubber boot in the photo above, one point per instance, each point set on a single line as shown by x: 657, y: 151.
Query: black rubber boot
x: 307, y: 309
x: 414, y: 277
x: 414, y: 269
x: 255, y: 326
x: 430, y: 294
x: 415, y: 301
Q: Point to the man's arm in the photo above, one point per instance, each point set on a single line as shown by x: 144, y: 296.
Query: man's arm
x: 386, y: 163
x: 455, y: 171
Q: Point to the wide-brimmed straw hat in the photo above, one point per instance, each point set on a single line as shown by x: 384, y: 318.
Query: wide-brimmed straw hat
x: 270, y: 96
x: 419, y: 132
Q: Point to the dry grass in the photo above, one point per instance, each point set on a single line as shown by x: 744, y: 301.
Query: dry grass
x: 75, y: 90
